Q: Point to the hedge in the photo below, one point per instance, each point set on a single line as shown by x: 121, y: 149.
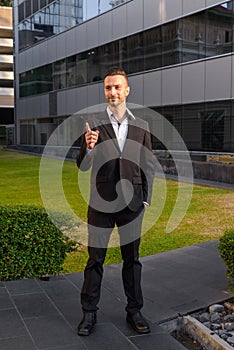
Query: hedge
x: 226, y: 249
x: 31, y: 246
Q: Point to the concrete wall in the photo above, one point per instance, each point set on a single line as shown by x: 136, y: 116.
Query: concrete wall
x: 218, y: 172
x: 210, y: 171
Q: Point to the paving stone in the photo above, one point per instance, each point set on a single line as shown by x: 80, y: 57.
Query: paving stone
x: 59, y: 288
x: 65, y: 296
x: 5, y: 301
x: 188, y: 305
x: 11, y: 324
x: 51, y: 331
x: 118, y: 319
x: 68, y: 347
x: 70, y: 309
x: 76, y: 279
x: 154, y: 311
x: 112, y: 280
x: 160, y: 300
x: 206, y: 293
x: 156, y: 342
x: 34, y: 305
x: 22, y: 286
x: 210, y: 245
x: 172, y: 282
x: 112, y: 309
x: 17, y: 343
x: 107, y: 336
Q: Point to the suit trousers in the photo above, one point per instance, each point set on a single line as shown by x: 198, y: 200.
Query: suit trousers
x: 100, y: 227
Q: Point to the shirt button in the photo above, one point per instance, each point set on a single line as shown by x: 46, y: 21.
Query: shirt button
x: 120, y: 157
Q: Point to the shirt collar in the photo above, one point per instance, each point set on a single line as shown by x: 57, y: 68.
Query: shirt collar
x: 111, y: 115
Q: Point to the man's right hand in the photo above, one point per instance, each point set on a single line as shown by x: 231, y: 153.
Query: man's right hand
x: 91, y: 136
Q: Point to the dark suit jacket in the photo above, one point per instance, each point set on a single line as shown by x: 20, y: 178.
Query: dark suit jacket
x: 136, y: 163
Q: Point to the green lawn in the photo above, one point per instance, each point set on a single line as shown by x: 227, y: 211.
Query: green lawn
x: 209, y: 214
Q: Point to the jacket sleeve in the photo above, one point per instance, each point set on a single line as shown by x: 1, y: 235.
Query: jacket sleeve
x: 84, y: 158
x: 148, y: 166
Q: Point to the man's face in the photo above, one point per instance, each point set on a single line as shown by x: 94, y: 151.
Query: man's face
x: 116, y: 89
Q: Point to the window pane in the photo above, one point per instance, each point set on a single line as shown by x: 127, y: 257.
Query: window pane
x: 35, y: 5
x: 82, y: 69
x: 21, y: 14
x: 219, y: 36
x: 213, y: 129
x: 36, y: 81
x: 71, y: 71
x: 135, y: 53
x: 170, y: 55
x: 59, y: 75
x: 153, y: 48
x: 192, y: 31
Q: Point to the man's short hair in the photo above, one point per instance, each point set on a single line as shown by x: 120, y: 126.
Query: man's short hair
x: 116, y: 71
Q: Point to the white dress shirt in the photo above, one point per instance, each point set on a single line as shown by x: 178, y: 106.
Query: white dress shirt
x: 120, y: 129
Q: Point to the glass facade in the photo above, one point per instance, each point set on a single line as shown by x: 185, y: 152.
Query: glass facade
x: 40, y: 19
x: 205, y: 34
x: 36, y: 81
x: 204, y: 127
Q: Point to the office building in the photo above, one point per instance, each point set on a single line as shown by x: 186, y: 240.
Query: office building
x: 6, y: 73
x: 178, y: 55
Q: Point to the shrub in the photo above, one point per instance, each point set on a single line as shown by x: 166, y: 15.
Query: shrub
x: 30, y: 244
x: 226, y: 249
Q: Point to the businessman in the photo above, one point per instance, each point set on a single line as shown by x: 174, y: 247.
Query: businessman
x: 117, y: 147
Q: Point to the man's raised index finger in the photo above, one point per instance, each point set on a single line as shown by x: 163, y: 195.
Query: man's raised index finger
x: 87, y: 127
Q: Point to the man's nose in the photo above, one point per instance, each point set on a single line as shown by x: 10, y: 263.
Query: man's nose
x: 113, y: 90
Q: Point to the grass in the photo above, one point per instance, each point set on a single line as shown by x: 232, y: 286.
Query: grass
x: 210, y: 211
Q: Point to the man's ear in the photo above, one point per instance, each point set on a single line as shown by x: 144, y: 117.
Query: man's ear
x: 127, y: 91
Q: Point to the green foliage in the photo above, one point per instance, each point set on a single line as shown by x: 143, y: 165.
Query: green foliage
x: 6, y: 3
x: 226, y: 249
x: 30, y: 244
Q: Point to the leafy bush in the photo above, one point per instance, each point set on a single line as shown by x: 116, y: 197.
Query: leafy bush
x: 226, y: 249
x: 6, y: 3
x: 30, y: 244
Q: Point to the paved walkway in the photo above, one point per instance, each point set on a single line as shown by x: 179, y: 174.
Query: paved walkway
x: 37, y: 314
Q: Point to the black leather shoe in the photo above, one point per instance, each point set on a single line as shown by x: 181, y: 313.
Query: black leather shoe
x: 87, y: 323
x: 138, y: 322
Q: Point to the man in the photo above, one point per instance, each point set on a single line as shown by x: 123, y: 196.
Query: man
x: 118, y: 148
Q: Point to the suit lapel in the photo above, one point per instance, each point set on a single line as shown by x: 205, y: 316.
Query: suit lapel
x: 130, y: 134
x: 106, y: 124
x: 109, y: 129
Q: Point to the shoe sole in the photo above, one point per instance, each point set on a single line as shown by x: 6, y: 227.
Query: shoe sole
x: 146, y: 331
x: 85, y: 334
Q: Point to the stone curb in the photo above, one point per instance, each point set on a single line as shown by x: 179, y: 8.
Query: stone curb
x: 203, y: 335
